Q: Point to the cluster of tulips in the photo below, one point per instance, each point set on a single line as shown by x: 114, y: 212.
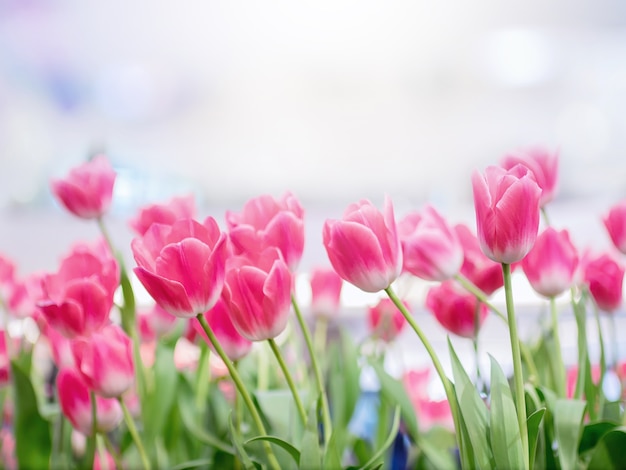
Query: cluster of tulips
x: 185, y: 382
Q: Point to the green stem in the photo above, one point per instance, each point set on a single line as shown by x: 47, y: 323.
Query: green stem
x: 289, y: 379
x: 321, y: 390
x: 544, y: 214
x: 240, y: 387
x: 447, y: 385
x: 111, y: 450
x: 560, y: 379
x: 478, y: 384
x: 614, y: 343
x: 518, y: 378
x: 596, y: 313
x: 202, y: 379
x: 262, y: 378
x: 91, y: 440
x: 319, y: 335
x: 130, y: 424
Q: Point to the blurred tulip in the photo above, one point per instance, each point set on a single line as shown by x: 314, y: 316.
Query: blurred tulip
x: 431, y: 250
x: 615, y: 223
x: 551, y: 264
x: 429, y: 412
x: 155, y: 322
x: 182, y: 266
x: 60, y: 346
x: 267, y: 222
x: 480, y: 270
x: 182, y: 207
x: 544, y: 166
x: 25, y: 294
x: 5, y: 360
x: 7, y: 276
x: 385, y: 321
x: 605, y: 278
x: 507, y: 212
x: 364, y: 247
x: 456, y: 309
x: 88, y: 189
x: 326, y: 288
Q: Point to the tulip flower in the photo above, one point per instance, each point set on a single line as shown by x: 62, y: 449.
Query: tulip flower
x: 507, y: 212
x: 105, y: 361
x: 88, y: 189
x: 219, y: 319
x: 75, y: 401
x: 60, y: 346
x: 182, y: 266
x: 5, y: 362
x: 615, y: 223
x: 155, y: 322
x: 544, y: 166
x: 605, y: 278
x: 267, y: 222
x: 385, y: 321
x: 7, y: 276
x: 26, y: 292
x: 456, y: 309
x: 258, y: 292
x: 326, y: 288
x: 551, y: 263
x: 176, y: 208
x: 364, y: 247
x: 431, y: 250
x: 429, y: 412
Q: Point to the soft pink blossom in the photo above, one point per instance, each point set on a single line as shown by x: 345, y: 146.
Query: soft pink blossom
x: 605, y: 277
x: 385, y: 320
x: 326, y: 288
x: 544, y: 166
x: 615, y: 224
x: 181, y: 207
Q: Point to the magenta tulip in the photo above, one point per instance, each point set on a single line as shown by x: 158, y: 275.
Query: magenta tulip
x: 605, y: 278
x: 544, y: 166
x: 182, y: 266
x: 88, y: 189
x: 456, y: 309
x: 551, y: 263
x: 5, y: 361
x: 267, y: 222
x: 385, y: 320
x: 507, y: 212
x: 431, y: 250
x: 258, y: 292
x: 183, y: 207
x: 615, y: 223
x: 326, y: 288
x: 364, y: 247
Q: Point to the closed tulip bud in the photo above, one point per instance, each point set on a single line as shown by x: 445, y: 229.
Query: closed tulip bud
x: 385, y: 320
x: 507, y: 212
x: 183, y: 207
x: 364, y: 247
x: 544, y: 166
x: 431, y: 250
x: 88, y: 189
x: 326, y: 288
x: 605, y: 278
x: 456, y: 309
x: 615, y: 223
x: 551, y: 263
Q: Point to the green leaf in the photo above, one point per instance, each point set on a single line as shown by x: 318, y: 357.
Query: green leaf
x: 592, y: 433
x: 311, y: 453
x: 343, y: 382
x: 372, y: 462
x: 335, y: 447
x: 474, y: 412
x: 610, y: 453
x: 533, y: 424
x: 162, y: 395
x: 568, y: 417
x: 193, y: 464
x: 241, y: 451
x: 291, y: 450
x: 33, y: 442
x: 506, y: 441
x: 436, y: 445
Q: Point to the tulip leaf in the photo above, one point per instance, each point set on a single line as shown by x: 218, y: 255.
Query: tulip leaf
x: 162, y: 395
x: 592, y: 433
x: 506, y: 441
x: 334, y: 448
x: 311, y: 453
x: 610, y: 453
x: 372, y: 462
x: 289, y: 448
x: 533, y: 424
x: 343, y: 384
x: 239, y: 447
x: 568, y: 423
x: 193, y: 464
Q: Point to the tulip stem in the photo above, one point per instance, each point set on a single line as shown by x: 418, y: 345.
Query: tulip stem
x: 321, y: 390
x: 130, y: 424
x: 518, y: 377
x: 240, y: 387
x: 447, y: 385
x: 91, y: 440
x: 112, y: 451
x: 288, y: 378
x: 560, y: 379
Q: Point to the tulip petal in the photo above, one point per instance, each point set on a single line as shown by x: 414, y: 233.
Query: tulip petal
x: 170, y: 295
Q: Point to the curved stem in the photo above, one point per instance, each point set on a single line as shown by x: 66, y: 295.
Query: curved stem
x: 232, y: 370
x: 518, y: 378
x: 447, y: 385
x: 321, y: 390
x: 130, y: 424
x: 560, y: 379
x: 289, y: 379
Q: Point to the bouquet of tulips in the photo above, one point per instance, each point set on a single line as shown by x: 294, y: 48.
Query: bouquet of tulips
x: 224, y: 368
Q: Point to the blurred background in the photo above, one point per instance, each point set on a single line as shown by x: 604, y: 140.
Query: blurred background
x: 333, y: 100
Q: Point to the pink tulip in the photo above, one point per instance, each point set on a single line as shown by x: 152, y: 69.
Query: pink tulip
x: 88, y: 189
x: 385, y: 321
x: 456, y: 309
x: 60, y: 346
x: 78, y: 298
x: 155, y: 322
x: 429, y: 412
x: 551, y: 264
x: 182, y: 266
x: 103, y: 461
x: 75, y: 401
x: 219, y: 319
x: 7, y: 449
x: 267, y: 222
x: 615, y: 223
x: 544, y: 167
x: 25, y: 294
x: 605, y: 278
x: 326, y: 288
x: 5, y: 360
x: 105, y: 361
x: 259, y: 295
x: 364, y: 247
x: 7, y: 276
x: 507, y: 212
x: 431, y: 250
x: 183, y: 207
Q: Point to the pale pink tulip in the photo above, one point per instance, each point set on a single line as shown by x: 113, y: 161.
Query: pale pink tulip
x: 605, y: 278
x: 551, y: 264
x: 267, y: 222
x: 385, y: 320
x: 456, y: 309
x: 182, y: 266
x: 258, y: 292
x: 326, y: 288
x: 544, y: 166
x: 155, y: 322
x: 615, y: 223
x: 60, y: 346
x: 88, y: 189
x: 431, y: 250
x: 25, y: 294
x: 364, y: 247
x: 507, y: 212
x: 105, y: 361
x: 182, y: 207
